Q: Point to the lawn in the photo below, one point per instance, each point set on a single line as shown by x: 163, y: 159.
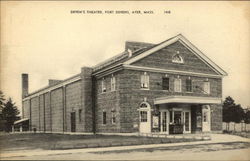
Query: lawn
x: 28, y: 141
x: 187, y: 148
x: 245, y: 134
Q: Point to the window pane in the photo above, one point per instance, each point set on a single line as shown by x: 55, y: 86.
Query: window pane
x: 177, y: 85
x: 80, y: 115
x: 164, y: 121
x: 165, y: 83
x: 113, y: 83
x: 177, y: 117
x: 186, y: 121
x: 103, y: 86
x: 206, y: 87
x: 171, y: 116
x: 143, y: 116
x: 144, y: 81
x: 205, y: 116
x: 104, y: 117
x: 113, y: 117
x: 189, y: 85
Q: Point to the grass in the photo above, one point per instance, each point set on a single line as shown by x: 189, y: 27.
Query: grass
x: 28, y: 141
x: 185, y: 148
x: 245, y: 134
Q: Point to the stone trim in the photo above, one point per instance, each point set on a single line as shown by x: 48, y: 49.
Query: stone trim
x: 133, y: 67
x: 188, y: 99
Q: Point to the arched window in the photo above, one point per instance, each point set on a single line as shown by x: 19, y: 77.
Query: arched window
x: 144, y: 105
x: 177, y: 59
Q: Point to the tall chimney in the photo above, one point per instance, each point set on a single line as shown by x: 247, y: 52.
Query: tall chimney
x: 25, y: 85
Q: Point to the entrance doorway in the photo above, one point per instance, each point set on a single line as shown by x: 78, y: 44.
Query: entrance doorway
x: 144, y: 118
x: 187, y: 122
x: 206, y: 126
x: 73, y: 121
x: 180, y: 120
x: 164, y: 122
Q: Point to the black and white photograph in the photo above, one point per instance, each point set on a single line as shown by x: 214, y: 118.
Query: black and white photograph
x: 124, y: 80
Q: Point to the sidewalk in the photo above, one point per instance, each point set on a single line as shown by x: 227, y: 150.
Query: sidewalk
x: 215, y: 138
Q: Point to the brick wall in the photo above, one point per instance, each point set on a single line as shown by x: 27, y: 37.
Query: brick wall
x: 26, y: 109
x: 41, y: 112
x: 35, y: 113
x: 86, y: 99
x: 57, y: 110
x: 73, y: 104
x: 216, y: 117
x: 131, y: 94
x: 164, y: 56
x: 107, y: 102
x: 47, y: 113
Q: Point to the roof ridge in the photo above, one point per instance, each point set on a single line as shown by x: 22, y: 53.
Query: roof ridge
x: 107, y: 61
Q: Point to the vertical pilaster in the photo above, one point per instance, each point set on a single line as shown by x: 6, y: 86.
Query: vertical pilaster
x: 64, y: 108
x: 39, y: 117
x: 30, y: 121
x: 50, y: 111
x: 44, y: 121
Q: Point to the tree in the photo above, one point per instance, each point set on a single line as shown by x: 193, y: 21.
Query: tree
x: 2, y: 99
x: 2, y: 121
x: 228, y: 105
x: 232, y: 112
x: 247, y: 116
x: 10, y: 113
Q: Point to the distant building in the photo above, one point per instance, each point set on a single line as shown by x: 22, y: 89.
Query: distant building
x: 170, y: 87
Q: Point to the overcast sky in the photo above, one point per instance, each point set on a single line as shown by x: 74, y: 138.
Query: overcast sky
x: 46, y: 41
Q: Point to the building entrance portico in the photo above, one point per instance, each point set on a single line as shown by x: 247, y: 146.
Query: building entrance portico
x: 175, y: 118
x: 182, y: 114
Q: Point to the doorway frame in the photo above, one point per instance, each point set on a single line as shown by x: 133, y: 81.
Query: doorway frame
x: 148, y: 123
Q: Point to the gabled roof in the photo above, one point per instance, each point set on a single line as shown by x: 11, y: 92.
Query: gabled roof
x: 187, y: 44
x: 138, y: 48
x: 148, y: 49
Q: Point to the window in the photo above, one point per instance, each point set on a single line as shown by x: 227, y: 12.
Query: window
x: 177, y: 85
x: 80, y: 115
x: 103, y: 85
x: 165, y: 83
x: 177, y: 59
x: 189, y: 85
x: 112, y: 83
x: 177, y: 117
x: 187, y: 121
x: 206, y: 87
x: 144, y: 116
x: 113, y: 117
x: 145, y: 80
x: 205, y: 116
x: 143, y: 105
x: 104, y: 119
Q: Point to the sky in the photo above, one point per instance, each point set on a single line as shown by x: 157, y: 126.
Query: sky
x: 47, y: 41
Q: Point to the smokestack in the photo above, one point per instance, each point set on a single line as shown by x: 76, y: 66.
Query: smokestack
x: 25, y: 85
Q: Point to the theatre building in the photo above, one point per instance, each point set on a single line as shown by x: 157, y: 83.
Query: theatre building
x: 170, y: 87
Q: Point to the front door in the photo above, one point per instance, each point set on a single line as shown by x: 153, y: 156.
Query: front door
x: 145, y: 122
x: 187, y: 122
x: 206, y: 118
x: 164, y: 121
x: 73, y: 121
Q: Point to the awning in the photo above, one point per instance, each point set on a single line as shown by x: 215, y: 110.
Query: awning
x: 188, y: 99
x: 19, y: 121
